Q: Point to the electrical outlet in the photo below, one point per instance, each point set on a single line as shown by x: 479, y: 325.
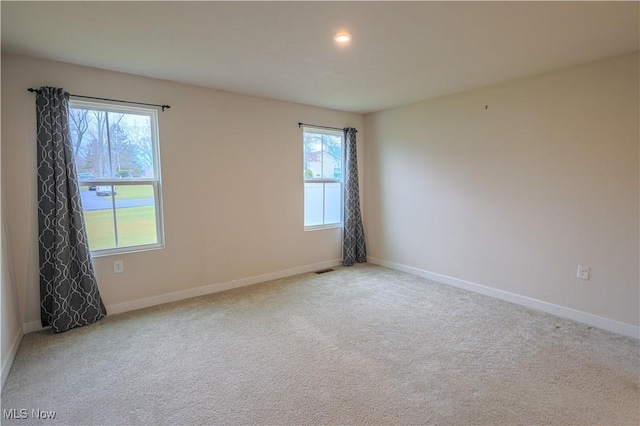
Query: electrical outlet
x: 118, y: 266
x: 583, y: 272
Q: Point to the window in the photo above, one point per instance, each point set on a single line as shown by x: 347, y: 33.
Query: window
x: 118, y: 166
x: 322, y: 168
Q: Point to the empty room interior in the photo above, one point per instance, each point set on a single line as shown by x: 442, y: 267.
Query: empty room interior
x: 320, y: 212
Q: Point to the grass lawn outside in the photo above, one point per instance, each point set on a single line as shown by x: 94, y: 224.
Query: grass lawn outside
x: 136, y: 225
x: 131, y: 192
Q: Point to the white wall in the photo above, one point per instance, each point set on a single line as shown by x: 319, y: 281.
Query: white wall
x: 10, y: 320
x: 515, y: 196
x: 11, y: 325
x: 229, y: 213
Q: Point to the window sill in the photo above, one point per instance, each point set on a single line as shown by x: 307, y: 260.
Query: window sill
x: 125, y: 250
x: 321, y: 227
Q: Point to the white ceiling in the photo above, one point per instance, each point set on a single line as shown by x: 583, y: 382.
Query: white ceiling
x: 402, y: 52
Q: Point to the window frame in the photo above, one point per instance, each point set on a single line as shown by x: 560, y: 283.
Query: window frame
x: 340, y: 224
x: 155, y: 182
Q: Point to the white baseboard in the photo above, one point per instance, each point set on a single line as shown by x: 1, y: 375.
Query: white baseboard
x: 201, y: 291
x: 215, y: 288
x: 561, y: 311
x: 7, y: 363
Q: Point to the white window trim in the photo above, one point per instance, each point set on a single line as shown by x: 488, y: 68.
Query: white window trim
x: 155, y: 182
x: 340, y: 224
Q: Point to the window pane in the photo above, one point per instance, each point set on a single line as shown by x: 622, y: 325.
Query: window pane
x: 98, y: 217
x: 131, y: 145
x: 331, y: 157
x: 312, y: 155
x: 313, y: 203
x: 136, y: 215
x: 332, y: 202
x: 124, y: 151
x: 89, y: 143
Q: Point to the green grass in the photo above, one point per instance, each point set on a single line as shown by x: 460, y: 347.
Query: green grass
x: 136, y: 226
x: 130, y: 192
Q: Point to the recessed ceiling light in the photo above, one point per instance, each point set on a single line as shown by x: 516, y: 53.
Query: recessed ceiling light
x: 342, y: 37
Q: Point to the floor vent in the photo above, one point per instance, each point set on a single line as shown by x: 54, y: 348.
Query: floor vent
x: 324, y: 271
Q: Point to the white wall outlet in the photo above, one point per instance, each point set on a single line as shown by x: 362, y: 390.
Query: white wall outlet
x: 118, y: 266
x: 583, y: 272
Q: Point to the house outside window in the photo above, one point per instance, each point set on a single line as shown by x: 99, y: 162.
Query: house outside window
x: 116, y: 151
x: 322, y: 170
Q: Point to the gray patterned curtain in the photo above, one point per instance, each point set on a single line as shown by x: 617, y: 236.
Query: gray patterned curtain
x: 353, y: 246
x: 69, y: 295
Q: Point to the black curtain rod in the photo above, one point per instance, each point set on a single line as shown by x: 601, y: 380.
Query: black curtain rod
x: 107, y: 99
x: 324, y: 127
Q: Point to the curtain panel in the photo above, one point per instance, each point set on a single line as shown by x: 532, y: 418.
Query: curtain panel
x: 69, y: 295
x: 353, y: 245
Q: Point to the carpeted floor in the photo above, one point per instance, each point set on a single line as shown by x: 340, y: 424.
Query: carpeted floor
x: 360, y: 345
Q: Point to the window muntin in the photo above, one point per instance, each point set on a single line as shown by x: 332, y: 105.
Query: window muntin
x: 322, y: 170
x: 117, y: 162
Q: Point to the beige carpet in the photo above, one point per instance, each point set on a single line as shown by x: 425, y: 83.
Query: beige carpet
x: 361, y: 345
